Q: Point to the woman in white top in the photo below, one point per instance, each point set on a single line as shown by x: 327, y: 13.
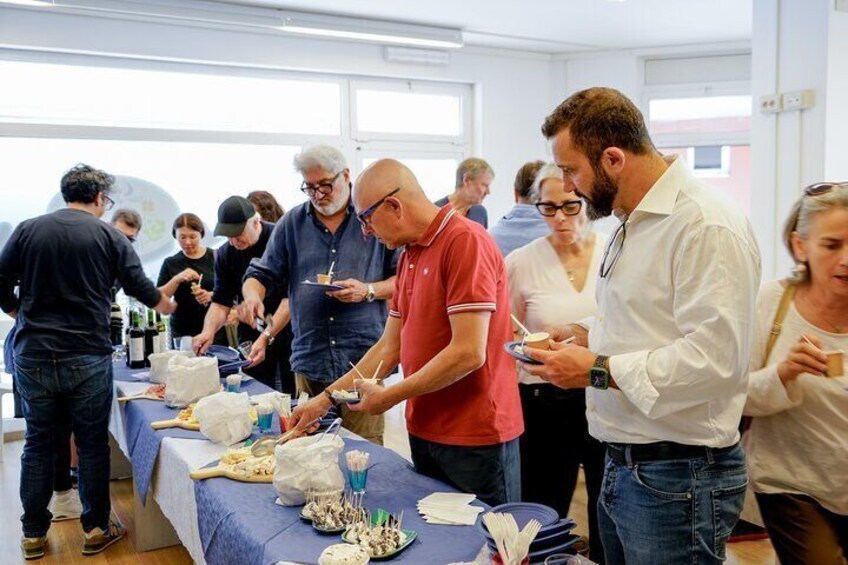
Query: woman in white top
x: 551, y: 282
x: 797, y: 445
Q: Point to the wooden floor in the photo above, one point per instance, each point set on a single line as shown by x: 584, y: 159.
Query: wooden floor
x: 65, y: 538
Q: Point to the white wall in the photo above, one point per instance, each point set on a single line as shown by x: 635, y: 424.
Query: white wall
x: 796, y: 45
x: 512, y: 90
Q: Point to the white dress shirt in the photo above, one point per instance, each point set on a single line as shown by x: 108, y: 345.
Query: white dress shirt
x: 676, y: 316
x: 798, y: 440
x: 541, y: 293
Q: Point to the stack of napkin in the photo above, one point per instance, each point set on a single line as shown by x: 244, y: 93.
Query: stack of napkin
x: 449, y: 508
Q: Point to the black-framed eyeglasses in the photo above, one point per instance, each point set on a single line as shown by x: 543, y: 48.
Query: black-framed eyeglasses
x: 324, y: 186
x: 615, y: 246
x: 569, y: 208
x: 108, y: 203
x: 365, y: 215
x: 820, y: 188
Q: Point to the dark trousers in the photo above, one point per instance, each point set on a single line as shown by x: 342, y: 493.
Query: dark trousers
x: 62, y: 469
x: 275, y: 371
x: 555, y: 443
x: 802, y: 531
x: 492, y: 472
x: 84, y: 384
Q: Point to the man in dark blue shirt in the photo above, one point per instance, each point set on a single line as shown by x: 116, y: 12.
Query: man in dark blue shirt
x: 247, y: 237
x: 64, y: 265
x: 331, y: 329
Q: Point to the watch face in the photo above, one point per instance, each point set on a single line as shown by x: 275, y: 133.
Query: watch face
x: 599, y: 378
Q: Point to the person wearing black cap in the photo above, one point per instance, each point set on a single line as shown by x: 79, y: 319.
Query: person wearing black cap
x: 247, y: 236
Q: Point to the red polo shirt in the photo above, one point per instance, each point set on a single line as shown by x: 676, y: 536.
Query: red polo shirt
x: 457, y: 268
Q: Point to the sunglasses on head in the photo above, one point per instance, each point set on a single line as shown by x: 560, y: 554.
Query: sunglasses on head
x: 820, y: 188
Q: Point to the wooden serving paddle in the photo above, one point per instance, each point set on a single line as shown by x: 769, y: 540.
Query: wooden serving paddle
x: 140, y: 396
x: 227, y: 471
x: 176, y: 423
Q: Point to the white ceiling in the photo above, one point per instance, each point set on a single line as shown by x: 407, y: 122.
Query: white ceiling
x: 554, y: 26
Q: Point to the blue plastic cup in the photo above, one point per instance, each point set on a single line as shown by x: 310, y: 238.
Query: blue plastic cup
x: 264, y: 417
x: 357, y: 480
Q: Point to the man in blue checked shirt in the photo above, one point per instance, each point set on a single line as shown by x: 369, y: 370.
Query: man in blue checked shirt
x: 331, y: 329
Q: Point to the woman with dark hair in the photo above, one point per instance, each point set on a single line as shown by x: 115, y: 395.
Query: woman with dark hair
x: 266, y: 206
x: 188, y: 276
x: 797, y: 444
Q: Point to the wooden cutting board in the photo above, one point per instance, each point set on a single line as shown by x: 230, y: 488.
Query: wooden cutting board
x: 228, y: 472
x: 176, y: 423
x: 140, y: 396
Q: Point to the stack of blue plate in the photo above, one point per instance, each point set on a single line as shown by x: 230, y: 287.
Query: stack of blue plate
x: 229, y: 360
x: 554, y: 537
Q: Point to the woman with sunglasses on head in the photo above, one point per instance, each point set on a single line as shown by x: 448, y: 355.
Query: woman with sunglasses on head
x: 797, y: 444
x: 551, y: 282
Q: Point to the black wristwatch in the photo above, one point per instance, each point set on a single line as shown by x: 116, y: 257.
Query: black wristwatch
x: 599, y: 376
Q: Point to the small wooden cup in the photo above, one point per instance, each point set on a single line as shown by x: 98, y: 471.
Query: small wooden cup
x: 538, y: 340
x: 835, y: 364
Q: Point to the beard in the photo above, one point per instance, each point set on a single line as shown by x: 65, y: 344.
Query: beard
x: 604, y: 190
x: 330, y: 207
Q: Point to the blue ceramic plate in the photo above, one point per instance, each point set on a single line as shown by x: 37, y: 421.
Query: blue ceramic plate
x: 410, y: 537
x: 563, y: 526
x: 231, y: 368
x: 328, y: 530
x: 510, y: 347
x: 523, y: 512
x: 223, y: 353
x: 323, y: 286
x: 565, y: 547
x: 547, y: 537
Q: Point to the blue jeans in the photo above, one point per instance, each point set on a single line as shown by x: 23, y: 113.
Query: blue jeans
x: 492, y: 472
x: 671, y: 512
x: 83, y: 384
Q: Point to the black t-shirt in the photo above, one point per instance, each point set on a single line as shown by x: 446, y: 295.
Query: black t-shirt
x: 231, y: 265
x: 65, y: 264
x: 188, y: 318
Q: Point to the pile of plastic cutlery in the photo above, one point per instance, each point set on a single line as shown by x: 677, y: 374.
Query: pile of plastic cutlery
x: 513, y: 545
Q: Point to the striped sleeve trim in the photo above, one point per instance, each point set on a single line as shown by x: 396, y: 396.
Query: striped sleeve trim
x: 394, y: 313
x: 472, y: 307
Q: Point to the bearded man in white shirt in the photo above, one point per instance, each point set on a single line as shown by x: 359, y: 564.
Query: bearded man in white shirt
x: 666, y: 355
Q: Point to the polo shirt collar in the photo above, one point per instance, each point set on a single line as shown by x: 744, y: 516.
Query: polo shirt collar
x: 437, y: 226
x: 660, y: 199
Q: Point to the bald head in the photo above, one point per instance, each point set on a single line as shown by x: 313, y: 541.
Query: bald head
x: 402, y: 211
x: 382, y: 177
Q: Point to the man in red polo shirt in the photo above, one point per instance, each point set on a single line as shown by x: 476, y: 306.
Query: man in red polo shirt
x: 448, y: 321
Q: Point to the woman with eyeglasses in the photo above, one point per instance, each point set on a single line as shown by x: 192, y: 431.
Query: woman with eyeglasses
x: 797, y: 444
x: 188, y: 276
x: 551, y: 282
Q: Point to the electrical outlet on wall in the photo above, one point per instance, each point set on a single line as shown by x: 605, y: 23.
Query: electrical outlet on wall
x: 771, y: 104
x: 797, y: 100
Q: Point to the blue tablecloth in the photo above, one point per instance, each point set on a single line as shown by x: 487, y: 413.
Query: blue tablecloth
x: 143, y: 441
x: 240, y: 522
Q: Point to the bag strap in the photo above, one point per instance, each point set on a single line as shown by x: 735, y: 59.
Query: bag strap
x: 777, y: 325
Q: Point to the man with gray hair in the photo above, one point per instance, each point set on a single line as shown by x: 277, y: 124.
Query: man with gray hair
x: 333, y: 326
x: 473, y: 178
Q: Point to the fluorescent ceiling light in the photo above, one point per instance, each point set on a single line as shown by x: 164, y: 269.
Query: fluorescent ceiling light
x: 37, y: 3
x: 371, y: 30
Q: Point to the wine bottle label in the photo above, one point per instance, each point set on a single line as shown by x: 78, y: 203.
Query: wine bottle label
x: 163, y: 341
x: 157, y: 345
x: 137, y: 349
